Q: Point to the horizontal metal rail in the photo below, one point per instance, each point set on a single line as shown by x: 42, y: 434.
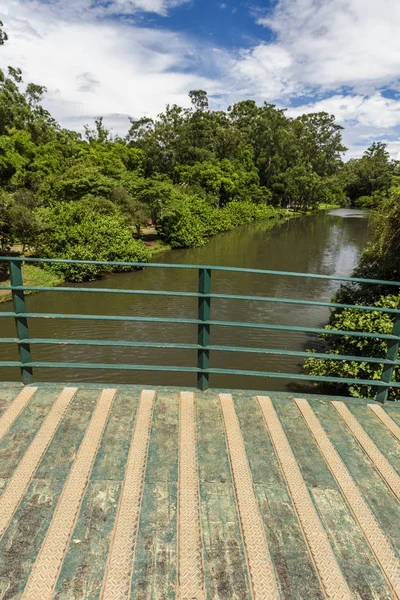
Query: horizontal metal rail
x: 178, y: 346
x: 271, y: 299
x: 168, y: 320
x: 179, y: 369
x: 135, y: 265
x: 126, y: 318
x: 203, y: 323
x: 39, y: 288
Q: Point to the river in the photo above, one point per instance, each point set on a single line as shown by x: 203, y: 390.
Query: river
x: 326, y: 242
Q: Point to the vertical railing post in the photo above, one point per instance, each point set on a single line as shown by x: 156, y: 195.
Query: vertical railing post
x: 392, y: 353
x: 21, y: 323
x: 203, y: 355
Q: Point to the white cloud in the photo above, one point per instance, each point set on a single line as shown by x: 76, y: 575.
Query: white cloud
x: 98, y: 67
x: 269, y: 66
x: 339, y: 42
x: 372, y: 111
x: 328, y: 45
x: 81, y: 9
x: 345, y: 52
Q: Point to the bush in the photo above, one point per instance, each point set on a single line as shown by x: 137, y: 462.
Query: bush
x: 187, y: 223
x: 351, y: 319
x: 74, y: 184
x: 191, y: 220
x: 89, y: 229
x: 365, y: 202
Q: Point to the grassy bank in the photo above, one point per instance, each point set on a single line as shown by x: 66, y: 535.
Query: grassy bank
x: 36, y: 276
x: 325, y: 206
x: 32, y: 275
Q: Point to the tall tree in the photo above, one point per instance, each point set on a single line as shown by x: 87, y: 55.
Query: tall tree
x: 99, y: 134
x: 370, y: 174
x: 199, y: 99
x: 319, y: 139
x: 3, y: 34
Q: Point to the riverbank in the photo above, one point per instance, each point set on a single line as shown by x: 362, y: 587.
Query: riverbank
x: 32, y: 275
x: 36, y: 276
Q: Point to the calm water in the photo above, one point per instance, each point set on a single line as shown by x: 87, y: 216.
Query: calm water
x: 327, y: 243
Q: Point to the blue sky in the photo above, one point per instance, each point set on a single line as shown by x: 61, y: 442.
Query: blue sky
x: 228, y: 24
x: 121, y: 58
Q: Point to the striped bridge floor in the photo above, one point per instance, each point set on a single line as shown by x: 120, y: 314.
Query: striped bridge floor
x: 140, y: 493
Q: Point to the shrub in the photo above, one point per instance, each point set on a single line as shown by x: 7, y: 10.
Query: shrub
x: 351, y: 319
x: 365, y: 202
x: 186, y: 223
x: 89, y: 229
x: 190, y: 220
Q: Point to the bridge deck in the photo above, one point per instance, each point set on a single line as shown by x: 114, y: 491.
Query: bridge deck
x: 163, y: 493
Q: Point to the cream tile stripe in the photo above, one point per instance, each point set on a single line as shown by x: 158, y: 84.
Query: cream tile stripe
x: 118, y: 573
x: 22, y: 476
x: 386, y: 420
x: 327, y: 567
x: 190, y: 551
x: 261, y: 571
x: 45, y: 571
x: 15, y: 409
x: 379, y: 543
x: 380, y: 462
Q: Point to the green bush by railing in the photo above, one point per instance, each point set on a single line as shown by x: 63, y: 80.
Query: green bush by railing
x: 203, y: 321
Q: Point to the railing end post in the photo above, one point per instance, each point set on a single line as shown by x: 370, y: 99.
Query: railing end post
x: 202, y: 381
x: 382, y: 395
x: 27, y: 375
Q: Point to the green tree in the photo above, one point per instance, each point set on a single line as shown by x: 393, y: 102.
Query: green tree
x: 319, y: 139
x: 199, y: 99
x: 22, y: 110
x: 381, y: 258
x: 187, y: 221
x: 87, y: 230
x: 304, y: 189
x: 222, y: 181
x: 136, y: 213
x: 24, y: 227
x: 99, y: 134
x: 3, y: 34
x: 18, y: 224
x: 6, y: 202
x: 369, y: 175
x: 76, y: 183
x: 267, y: 131
x: 16, y: 153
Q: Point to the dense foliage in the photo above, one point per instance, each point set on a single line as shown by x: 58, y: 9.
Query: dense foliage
x: 380, y: 260
x: 367, y: 181
x: 86, y: 230
x: 364, y: 321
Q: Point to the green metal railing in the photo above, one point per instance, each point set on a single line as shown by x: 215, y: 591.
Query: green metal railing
x: 203, y: 321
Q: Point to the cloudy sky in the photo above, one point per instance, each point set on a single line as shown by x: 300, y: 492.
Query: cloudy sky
x: 120, y: 58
